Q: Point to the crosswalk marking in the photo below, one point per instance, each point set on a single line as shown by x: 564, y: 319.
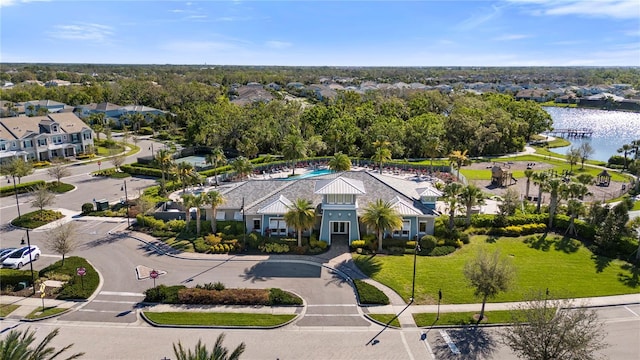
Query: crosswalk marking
x: 116, y: 293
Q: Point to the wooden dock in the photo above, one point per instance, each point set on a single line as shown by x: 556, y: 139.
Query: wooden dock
x: 575, y: 133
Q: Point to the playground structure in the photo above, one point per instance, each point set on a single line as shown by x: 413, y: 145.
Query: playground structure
x: 502, y: 177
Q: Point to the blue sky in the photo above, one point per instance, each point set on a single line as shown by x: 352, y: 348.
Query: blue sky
x: 334, y: 33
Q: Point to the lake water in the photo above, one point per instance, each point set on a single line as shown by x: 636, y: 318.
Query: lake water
x: 611, y: 129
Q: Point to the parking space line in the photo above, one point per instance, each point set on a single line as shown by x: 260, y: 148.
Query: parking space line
x: 631, y: 311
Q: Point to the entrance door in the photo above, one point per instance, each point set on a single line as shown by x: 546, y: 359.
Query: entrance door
x: 340, y: 228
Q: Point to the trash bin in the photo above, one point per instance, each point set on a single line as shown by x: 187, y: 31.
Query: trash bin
x: 22, y: 285
x: 102, y: 205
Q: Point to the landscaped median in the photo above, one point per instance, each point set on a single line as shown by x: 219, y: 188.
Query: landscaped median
x: 213, y: 305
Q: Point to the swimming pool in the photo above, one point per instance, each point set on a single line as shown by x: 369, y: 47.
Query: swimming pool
x: 195, y: 160
x: 310, y: 174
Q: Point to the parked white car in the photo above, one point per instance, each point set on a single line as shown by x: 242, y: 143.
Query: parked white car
x: 5, y: 252
x: 21, y: 257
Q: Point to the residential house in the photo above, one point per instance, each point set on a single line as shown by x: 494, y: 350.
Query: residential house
x: 339, y: 201
x: 44, y: 137
x: 32, y: 107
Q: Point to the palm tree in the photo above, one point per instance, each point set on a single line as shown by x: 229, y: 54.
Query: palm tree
x: 540, y: 179
x: 340, y: 162
x: 554, y: 187
x: 433, y: 148
x: 164, y: 159
x: 215, y: 199
x: 451, y: 197
x: 218, y: 352
x: 575, y: 208
x: 242, y: 166
x: 294, y: 148
x: 197, y: 202
x: 585, y: 179
x: 528, y: 174
x: 380, y: 216
x: 470, y: 196
x: 184, y: 172
x: 626, y: 149
x: 216, y: 158
x: 17, y: 346
x: 458, y: 158
x: 382, y: 153
x: 188, y: 201
x: 301, y: 215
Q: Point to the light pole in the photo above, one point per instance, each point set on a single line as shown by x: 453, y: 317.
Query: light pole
x: 439, y: 299
x: 126, y: 201
x: 33, y: 283
x: 244, y: 230
x: 152, y: 152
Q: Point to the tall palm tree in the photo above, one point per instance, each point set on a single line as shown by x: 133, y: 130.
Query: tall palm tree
x: 451, y: 197
x: 188, y: 201
x: 585, y: 179
x: 17, y: 345
x: 216, y: 158
x: 164, y: 159
x: 218, y: 352
x: 540, y: 179
x: 554, y: 187
x: 470, y: 196
x: 242, y: 166
x: 626, y: 149
x: 575, y: 208
x: 301, y: 215
x: 184, y: 172
x: 382, y: 153
x: 380, y: 216
x: 198, y: 201
x: 215, y: 199
x: 340, y: 162
x: 458, y: 158
x: 528, y: 174
x: 294, y: 148
x: 433, y: 148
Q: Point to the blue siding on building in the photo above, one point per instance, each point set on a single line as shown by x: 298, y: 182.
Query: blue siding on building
x: 329, y: 216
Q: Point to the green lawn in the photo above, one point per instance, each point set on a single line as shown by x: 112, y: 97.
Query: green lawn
x: 384, y: 318
x: 7, y: 309
x: 563, y: 267
x: 217, y: 319
x: 76, y: 287
x: 48, y: 311
x: 463, y: 318
x: 59, y: 188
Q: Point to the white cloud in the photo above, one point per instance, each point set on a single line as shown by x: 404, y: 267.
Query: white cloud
x: 14, y: 2
x: 82, y: 31
x: 511, y: 37
x: 481, y: 18
x: 278, y: 44
x: 177, y: 11
x: 619, y: 9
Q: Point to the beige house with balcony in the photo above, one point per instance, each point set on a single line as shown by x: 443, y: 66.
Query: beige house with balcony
x: 40, y: 138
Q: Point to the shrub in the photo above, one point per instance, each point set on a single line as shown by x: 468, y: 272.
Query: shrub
x: 59, y: 188
x: 87, y: 208
x: 281, y: 297
x: 163, y: 294
x: 200, y: 245
x: 428, y: 242
x: 231, y: 227
x: 369, y: 294
x: 11, y: 278
x: 176, y: 225
x: 322, y: 245
x: 274, y: 248
x: 254, y: 240
x: 442, y: 250
x: 212, y: 239
x: 145, y: 130
x: 20, y: 188
x: 136, y: 170
x: 357, y: 244
x: 224, y: 297
x: 212, y: 286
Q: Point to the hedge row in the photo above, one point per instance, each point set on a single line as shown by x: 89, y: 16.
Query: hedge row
x: 136, y: 170
x: 489, y: 220
x: 518, y: 230
x: 11, y: 278
x: 21, y: 188
x: 180, y: 294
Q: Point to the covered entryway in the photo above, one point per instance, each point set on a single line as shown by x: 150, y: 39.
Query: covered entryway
x: 340, y: 231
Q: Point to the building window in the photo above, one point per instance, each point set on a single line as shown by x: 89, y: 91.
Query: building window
x: 422, y: 227
x: 278, y: 226
x: 3, y: 146
x: 74, y: 137
x: 406, y: 226
x: 339, y: 199
x: 55, y: 128
x: 220, y: 215
x: 42, y: 142
x: 27, y: 144
x: 237, y: 216
x: 256, y: 224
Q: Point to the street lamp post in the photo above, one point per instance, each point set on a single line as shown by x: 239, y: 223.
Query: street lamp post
x: 126, y: 200
x: 33, y: 281
x: 244, y: 231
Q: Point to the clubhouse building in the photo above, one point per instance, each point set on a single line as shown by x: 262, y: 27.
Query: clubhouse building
x: 339, y: 200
